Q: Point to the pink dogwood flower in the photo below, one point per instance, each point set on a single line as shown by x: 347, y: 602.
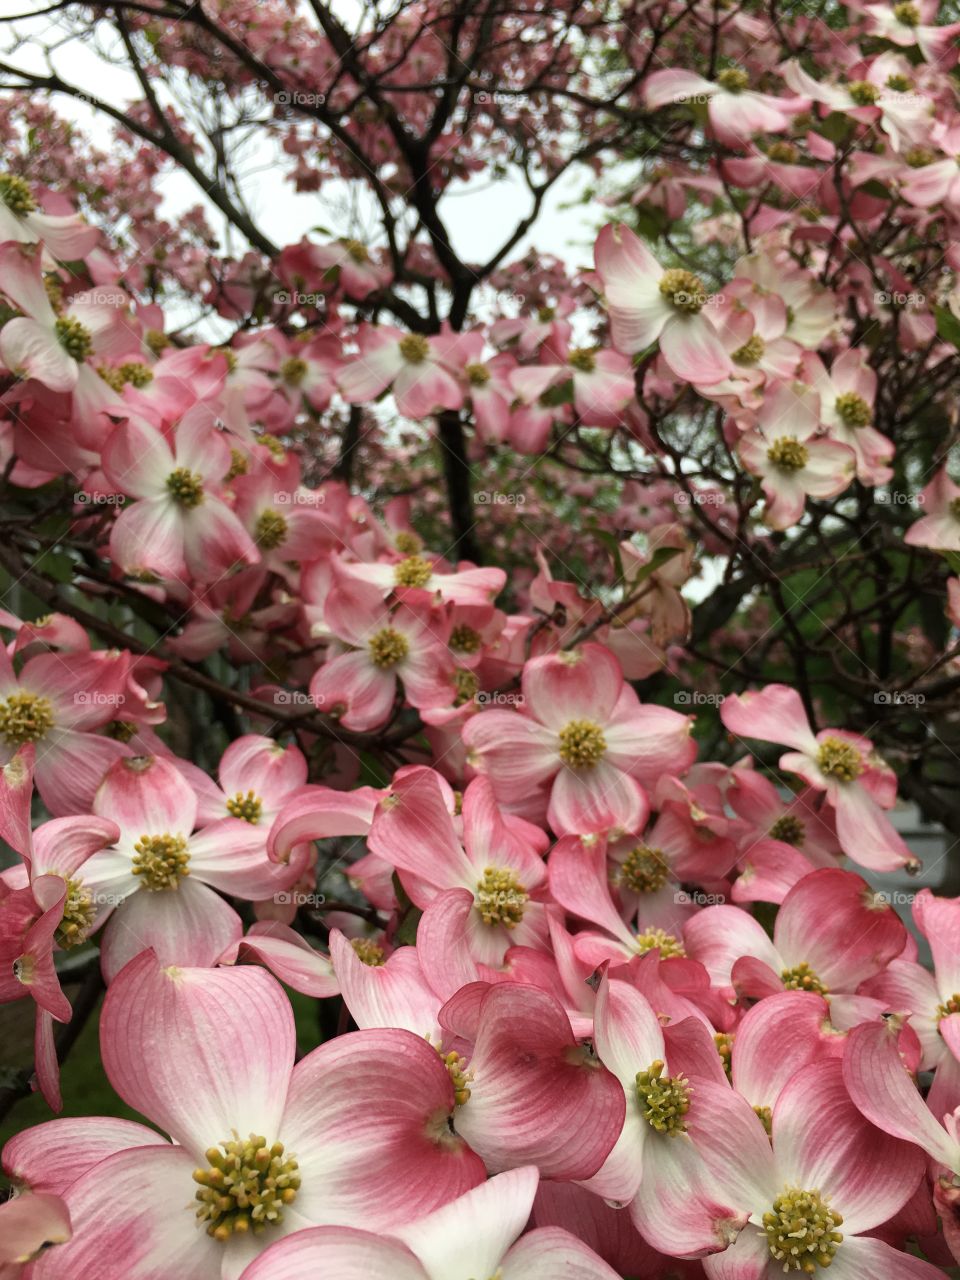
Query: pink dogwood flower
x: 736, y: 112
x: 180, y: 526
x: 843, y: 765
x: 806, y: 1196
x: 832, y: 932
x: 939, y: 525
x: 260, y: 1147
x: 581, y: 747
x: 647, y: 304
x: 157, y: 886
x: 411, y: 365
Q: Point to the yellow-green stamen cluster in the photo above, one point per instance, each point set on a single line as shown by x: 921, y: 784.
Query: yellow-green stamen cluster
x: 949, y: 1006
x: 162, y: 861
x: 724, y: 1042
x: 460, y: 1077
x: 802, y: 1231
x: 839, y: 759
x: 271, y: 529
x: 500, y: 897
x: 664, y: 1100
x: 293, y: 371
x: 388, y: 648
x: 478, y: 375
x: 917, y: 157
x: 78, y: 914
x: 246, y: 1187
x: 464, y: 639
x: 73, y: 337
x: 783, y: 152
x: 789, y: 829
x: 582, y: 744
x: 25, y: 717
x: 853, y: 410
x: 185, y: 487
x: 356, y: 250
x: 644, y: 870
x: 156, y: 341
x: 273, y: 444
x: 907, y: 13
x: 659, y: 940
x: 132, y: 373
x: 121, y: 730
x: 899, y: 84
x: 414, y: 571
x: 766, y: 1117
x: 239, y: 465
x: 249, y: 807
x: 582, y: 359
x: 414, y: 348
x: 733, y: 79
x: 751, y: 351
x: 369, y: 952
x: 683, y: 290
x: 407, y: 542
x: 802, y: 978
x: 863, y: 93
x: 16, y: 195
x: 466, y: 685
x: 788, y: 454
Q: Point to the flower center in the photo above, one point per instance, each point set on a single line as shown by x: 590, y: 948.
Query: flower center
x: 899, y: 84
x: 917, y: 157
x: 293, y: 371
x: 582, y: 744
x: 907, y: 13
x: 659, y: 940
x: 801, y: 1231
x: 788, y: 829
x: 683, y: 290
x: 466, y: 684
x: 664, y: 1100
x: 156, y: 340
x: 185, y: 487
x: 25, y: 717
x: 863, y: 93
x: 724, y: 1042
x: 73, y: 337
x: 136, y: 374
x: 239, y: 465
x: 765, y: 1115
x: 788, y: 454
x: 839, y: 759
x: 412, y: 572
x: 15, y: 194
x: 783, y: 152
x: 371, y: 953
x: 78, y: 913
x: 356, y: 250
x: 272, y: 443
x: 802, y: 978
x: 582, y: 359
x: 460, y: 1076
x: 120, y: 730
x: 162, y: 861
x: 464, y: 639
x: 950, y: 1006
x: 478, y: 375
x: 414, y: 348
x: 500, y: 897
x: 245, y: 1187
x: 733, y: 79
x: 249, y: 807
x: 644, y: 870
x: 408, y: 542
x: 271, y: 530
x: 751, y: 351
x: 853, y: 410
x: 387, y: 648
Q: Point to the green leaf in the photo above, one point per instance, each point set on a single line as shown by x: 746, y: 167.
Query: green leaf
x: 948, y: 326
x: 660, y: 557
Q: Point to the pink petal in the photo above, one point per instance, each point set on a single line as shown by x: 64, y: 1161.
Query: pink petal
x: 366, y: 1154
x: 28, y: 1222
x: 580, y: 684
x: 48, y: 1157
x: 133, y: 1220
x: 340, y: 1252
x: 395, y: 994
x: 290, y: 958
x: 218, y: 1044
x: 693, y: 350
x: 550, y: 1252
x: 773, y: 714
x: 821, y: 1140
